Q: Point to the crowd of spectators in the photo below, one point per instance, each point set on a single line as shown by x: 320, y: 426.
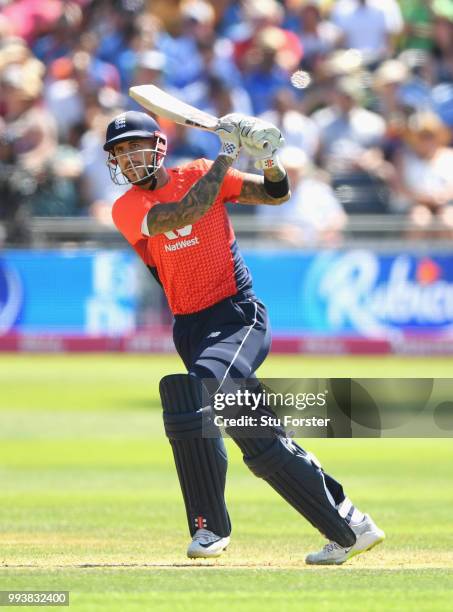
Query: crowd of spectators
x: 367, y: 118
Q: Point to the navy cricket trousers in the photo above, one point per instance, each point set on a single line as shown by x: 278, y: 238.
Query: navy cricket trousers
x: 228, y: 340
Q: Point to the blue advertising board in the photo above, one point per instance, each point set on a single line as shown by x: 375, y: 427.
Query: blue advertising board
x: 73, y: 292
x: 355, y: 292
x: 325, y: 293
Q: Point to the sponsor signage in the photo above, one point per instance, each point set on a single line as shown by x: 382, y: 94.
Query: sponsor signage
x: 318, y: 299
x: 356, y: 292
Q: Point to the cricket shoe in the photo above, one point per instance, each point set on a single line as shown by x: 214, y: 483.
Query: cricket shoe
x: 368, y: 535
x: 206, y: 544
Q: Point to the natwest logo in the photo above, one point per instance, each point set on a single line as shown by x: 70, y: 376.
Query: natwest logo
x: 181, y: 244
x: 179, y: 233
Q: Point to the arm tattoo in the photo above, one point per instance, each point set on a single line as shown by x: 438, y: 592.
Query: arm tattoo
x: 197, y: 201
x: 275, y: 174
x: 253, y: 191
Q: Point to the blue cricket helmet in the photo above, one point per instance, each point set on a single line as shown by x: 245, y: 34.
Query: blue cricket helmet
x: 128, y: 126
x: 131, y: 124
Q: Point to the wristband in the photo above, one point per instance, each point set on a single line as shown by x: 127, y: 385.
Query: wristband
x: 277, y: 189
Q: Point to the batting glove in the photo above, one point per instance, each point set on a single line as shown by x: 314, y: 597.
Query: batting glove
x: 261, y: 140
x: 228, y: 132
x: 265, y: 152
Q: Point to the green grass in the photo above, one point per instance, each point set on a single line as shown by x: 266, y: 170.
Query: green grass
x: 90, y: 502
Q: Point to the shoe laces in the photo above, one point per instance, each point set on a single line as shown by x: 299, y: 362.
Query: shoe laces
x: 204, y: 535
x: 331, y: 546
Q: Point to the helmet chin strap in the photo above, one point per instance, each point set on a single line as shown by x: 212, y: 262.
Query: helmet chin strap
x: 153, y: 183
x: 152, y: 175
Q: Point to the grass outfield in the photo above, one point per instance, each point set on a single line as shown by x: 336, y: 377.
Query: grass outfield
x: 90, y: 501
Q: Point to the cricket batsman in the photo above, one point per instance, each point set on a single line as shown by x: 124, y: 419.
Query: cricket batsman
x: 177, y: 222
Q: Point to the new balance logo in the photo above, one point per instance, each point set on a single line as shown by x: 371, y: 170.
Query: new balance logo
x: 120, y: 122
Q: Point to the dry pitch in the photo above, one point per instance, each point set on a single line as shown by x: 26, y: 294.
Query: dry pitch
x: 90, y: 502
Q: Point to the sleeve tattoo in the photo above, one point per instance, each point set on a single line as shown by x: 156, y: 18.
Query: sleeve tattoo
x: 198, y: 200
x: 253, y: 191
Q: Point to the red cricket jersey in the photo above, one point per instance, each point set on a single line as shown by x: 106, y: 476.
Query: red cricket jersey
x: 197, y: 265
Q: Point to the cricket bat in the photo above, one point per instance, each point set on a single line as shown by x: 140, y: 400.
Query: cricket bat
x: 165, y: 105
